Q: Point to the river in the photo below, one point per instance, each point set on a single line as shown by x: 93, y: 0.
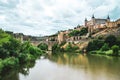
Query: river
x: 69, y: 67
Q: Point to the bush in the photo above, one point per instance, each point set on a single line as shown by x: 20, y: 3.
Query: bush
x: 22, y: 58
x: 34, y: 51
x: 70, y: 48
x: 115, y: 49
x: 111, y: 40
x: 56, y: 48
x: 92, y: 52
x: 43, y: 46
x: 118, y: 43
x: 10, y: 63
x: 79, y: 33
x: 105, y: 47
x: 109, y: 52
x: 95, y: 45
x: 1, y: 65
x: 3, y: 53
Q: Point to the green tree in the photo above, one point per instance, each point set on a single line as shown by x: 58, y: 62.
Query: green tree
x: 83, y: 31
x: 56, y: 48
x: 95, y: 45
x: 43, y: 46
x: 111, y: 40
x: 74, y: 33
x: 105, y: 47
x: 115, y: 49
x: 69, y: 48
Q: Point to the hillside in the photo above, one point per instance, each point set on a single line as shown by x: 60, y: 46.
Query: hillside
x: 108, y: 31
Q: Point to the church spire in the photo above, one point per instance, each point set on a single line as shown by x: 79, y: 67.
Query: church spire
x: 93, y: 16
x: 85, y: 19
x: 108, y: 18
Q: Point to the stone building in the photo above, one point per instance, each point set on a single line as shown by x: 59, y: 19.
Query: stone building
x: 98, y: 23
x: 93, y: 25
x: 112, y: 24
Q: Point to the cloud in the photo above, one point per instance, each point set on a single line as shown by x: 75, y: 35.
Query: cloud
x: 35, y: 17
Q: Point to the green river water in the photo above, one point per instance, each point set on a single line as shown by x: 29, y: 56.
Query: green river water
x: 69, y: 67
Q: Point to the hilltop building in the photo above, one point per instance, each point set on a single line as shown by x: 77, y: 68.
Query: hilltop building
x: 93, y: 25
x: 99, y: 23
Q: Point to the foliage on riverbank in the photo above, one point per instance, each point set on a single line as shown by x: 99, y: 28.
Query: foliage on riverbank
x: 13, y: 53
x: 108, y: 46
x: 70, y: 47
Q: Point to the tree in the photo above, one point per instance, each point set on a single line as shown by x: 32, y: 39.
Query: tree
x: 111, y: 40
x: 115, y: 49
x: 56, y: 48
x: 79, y: 33
x: 74, y: 33
x: 83, y: 31
x: 43, y: 46
x: 105, y: 47
x: 69, y: 48
x: 95, y: 45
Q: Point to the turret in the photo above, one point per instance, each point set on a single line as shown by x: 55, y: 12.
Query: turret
x: 108, y: 18
x: 93, y: 17
x: 86, y: 22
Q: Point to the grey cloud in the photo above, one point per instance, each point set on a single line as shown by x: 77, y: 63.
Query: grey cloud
x: 48, y: 16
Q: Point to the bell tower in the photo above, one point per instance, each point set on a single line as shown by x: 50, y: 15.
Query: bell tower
x: 86, y: 22
x: 108, y: 18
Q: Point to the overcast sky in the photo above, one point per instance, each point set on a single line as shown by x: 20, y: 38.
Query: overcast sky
x: 45, y: 17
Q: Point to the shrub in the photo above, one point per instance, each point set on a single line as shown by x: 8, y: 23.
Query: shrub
x: 109, y: 52
x: 56, y: 48
x: 111, y: 40
x: 105, y: 47
x: 95, y: 45
x: 68, y: 48
x: 10, y: 63
x: 4, y: 53
x: 43, y: 46
x: 115, y: 49
x: 92, y: 52
x: 22, y: 57
x: 79, y: 33
x: 34, y: 51
x: 1, y: 65
x: 75, y: 48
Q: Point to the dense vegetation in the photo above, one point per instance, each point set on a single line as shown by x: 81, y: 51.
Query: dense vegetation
x: 69, y: 48
x: 108, y: 46
x: 13, y: 52
x: 43, y: 46
x: 83, y: 31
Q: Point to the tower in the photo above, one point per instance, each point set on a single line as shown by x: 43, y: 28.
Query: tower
x: 93, y: 16
x: 93, y: 20
x: 86, y: 22
x: 108, y: 18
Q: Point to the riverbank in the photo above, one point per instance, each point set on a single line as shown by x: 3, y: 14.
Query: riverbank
x: 14, y: 53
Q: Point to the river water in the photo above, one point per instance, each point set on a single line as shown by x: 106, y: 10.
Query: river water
x: 70, y: 67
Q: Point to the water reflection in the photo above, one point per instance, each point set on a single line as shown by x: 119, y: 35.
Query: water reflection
x: 96, y: 67
x: 75, y: 60
x: 14, y: 74
x: 68, y: 67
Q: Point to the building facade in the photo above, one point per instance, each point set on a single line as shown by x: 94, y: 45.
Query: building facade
x: 98, y: 23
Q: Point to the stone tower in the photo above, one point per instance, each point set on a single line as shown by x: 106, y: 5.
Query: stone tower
x: 108, y: 18
x: 93, y: 20
x: 86, y: 22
